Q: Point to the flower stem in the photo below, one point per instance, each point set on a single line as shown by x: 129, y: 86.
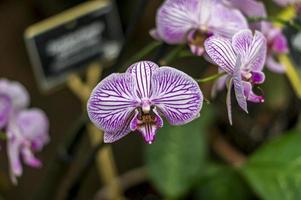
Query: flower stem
x: 171, y: 55
x: 142, y: 53
x: 276, y: 19
x: 211, y: 78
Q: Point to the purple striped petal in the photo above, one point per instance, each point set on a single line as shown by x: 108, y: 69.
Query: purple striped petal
x: 124, y: 129
x: 228, y: 101
x: 226, y: 21
x: 220, y: 51
x: 142, y: 73
x: 176, y: 95
x: 242, y: 41
x: 251, y: 48
x: 16, y: 92
x: 112, y: 102
x: 258, y: 51
x: 175, y: 18
x: 238, y: 86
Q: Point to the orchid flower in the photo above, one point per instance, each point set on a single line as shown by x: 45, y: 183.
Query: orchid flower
x: 26, y: 129
x: 134, y: 101
x: 277, y: 44
x: 242, y: 59
x: 27, y: 132
x: 192, y: 21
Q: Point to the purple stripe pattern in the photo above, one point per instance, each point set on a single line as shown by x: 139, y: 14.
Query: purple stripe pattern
x: 242, y: 58
x: 192, y: 21
x: 134, y: 101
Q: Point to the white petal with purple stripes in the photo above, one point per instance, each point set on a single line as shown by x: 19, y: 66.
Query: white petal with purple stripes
x: 142, y: 73
x: 220, y: 51
x: 112, y: 102
x: 175, y: 18
x: 176, y: 95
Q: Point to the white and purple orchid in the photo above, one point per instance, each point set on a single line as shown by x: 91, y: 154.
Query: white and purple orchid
x: 26, y: 129
x: 242, y: 59
x: 277, y: 44
x: 134, y: 101
x: 192, y: 21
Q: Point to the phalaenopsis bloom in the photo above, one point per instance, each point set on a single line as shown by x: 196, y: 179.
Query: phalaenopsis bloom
x: 26, y: 129
x: 277, y: 44
x: 136, y: 100
x: 192, y: 21
x: 242, y: 59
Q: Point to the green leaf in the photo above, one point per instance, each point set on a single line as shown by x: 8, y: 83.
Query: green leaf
x: 274, y: 171
x: 176, y: 158
x: 222, y: 182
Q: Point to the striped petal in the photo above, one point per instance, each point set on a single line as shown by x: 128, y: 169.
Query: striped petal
x: 228, y: 101
x: 175, y: 18
x: 257, y: 52
x: 251, y: 48
x: 176, y: 95
x: 238, y: 87
x: 226, y: 21
x: 112, y: 101
x: 124, y: 129
x: 142, y: 73
x: 242, y: 41
x: 220, y: 52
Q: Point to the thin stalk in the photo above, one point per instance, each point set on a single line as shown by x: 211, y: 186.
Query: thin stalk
x: 210, y: 78
x: 82, y: 173
x: 172, y: 55
x: 143, y: 52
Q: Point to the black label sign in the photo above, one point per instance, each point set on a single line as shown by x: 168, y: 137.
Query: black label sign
x: 294, y: 41
x: 72, y: 40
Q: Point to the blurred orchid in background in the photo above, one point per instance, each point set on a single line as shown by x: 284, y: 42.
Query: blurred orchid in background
x: 134, y: 101
x: 242, y: 59
x: 26, y: 129
x: 277, y: 44
x: 192, y: 21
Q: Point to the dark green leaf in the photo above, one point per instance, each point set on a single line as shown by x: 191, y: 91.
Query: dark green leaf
x: 176, y: 158
x: 222, y: 183
x: 274, y: 171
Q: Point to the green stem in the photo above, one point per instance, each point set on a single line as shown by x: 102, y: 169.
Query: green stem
x: 172, y: 55
x: 3, y: 136
x: 211, y: 78
x: 276, y: 19
x: 143, y: 52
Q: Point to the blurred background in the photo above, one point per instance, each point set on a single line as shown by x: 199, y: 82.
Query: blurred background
x: 280, y: 112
